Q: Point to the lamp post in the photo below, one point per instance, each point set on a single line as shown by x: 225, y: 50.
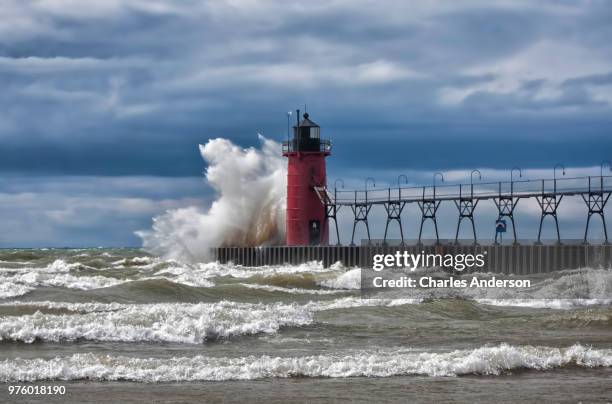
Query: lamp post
x: 399, y: 177
x: 603, y: 164
x: 555, y: 174
x: 601, y: 168
x: 335, y: 207
x: 512, y: 178
x: 399, y: 186
x: 366, y: 186
x: 434, y: 182
x: 336, y: 188
x: 472, y: 181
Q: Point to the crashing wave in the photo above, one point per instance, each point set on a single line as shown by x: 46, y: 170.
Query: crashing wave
x: 249, y: 209
x: 373, y: 363
x: 179, y: 323
x: 19, y: 285
x: 350, y: 280
x: 166, y: 322
x: 57, y: 266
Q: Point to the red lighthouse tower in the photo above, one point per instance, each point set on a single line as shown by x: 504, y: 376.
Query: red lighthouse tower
x: 306, y: 219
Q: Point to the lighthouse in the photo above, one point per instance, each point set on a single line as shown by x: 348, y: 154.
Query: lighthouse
x: 306, y: 152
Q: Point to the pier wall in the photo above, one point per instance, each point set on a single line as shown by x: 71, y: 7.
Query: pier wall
x: 516, y: 259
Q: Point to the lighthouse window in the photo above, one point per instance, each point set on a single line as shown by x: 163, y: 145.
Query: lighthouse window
x: 314, y: 132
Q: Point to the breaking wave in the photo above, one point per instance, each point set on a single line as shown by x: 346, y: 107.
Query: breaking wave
x: 10, y: 289
x: 165, y: 322
x: 561, y: 290
x: 565, y: 289
x: 179, y: 323
x: 19, y: 281
x: 215, y: 269
x: 57, y: 266
x: 297, y: 291
x: 350, y: 280
x: 377, y: 363
x: 249, y: 209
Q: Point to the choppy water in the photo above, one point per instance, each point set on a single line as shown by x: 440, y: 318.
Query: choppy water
x: 117, y: 324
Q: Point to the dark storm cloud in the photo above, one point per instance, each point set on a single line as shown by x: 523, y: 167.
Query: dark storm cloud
x: 128, y: 87
x: 124, y: 88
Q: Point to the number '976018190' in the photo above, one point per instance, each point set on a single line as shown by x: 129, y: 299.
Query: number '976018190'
x: 36, y: 390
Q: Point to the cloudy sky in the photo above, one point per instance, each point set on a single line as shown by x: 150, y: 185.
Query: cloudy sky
x: 103, y: 102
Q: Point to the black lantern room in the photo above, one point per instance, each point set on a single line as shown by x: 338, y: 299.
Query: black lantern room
x: 307, y: 136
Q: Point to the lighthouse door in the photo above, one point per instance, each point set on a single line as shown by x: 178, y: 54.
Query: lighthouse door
x: 314, y: 227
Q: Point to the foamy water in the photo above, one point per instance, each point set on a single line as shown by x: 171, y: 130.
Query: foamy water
x: 180, y: 323
x: 123, y: 315
x: 249, y: 208
x: 373, y: 363
x: 19, y: 280
x: 170, y: 322
x: 562, y: 290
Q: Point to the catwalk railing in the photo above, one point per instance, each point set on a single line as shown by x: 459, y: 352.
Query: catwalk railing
x: 595, y: 192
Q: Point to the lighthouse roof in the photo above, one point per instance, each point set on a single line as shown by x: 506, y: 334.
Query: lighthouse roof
x: 306, y: 121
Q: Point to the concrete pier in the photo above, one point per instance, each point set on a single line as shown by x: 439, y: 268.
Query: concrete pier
x: 516, y: 259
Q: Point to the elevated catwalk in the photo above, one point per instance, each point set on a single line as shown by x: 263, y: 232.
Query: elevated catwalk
x: 516, y: 259
x: 549, y: 193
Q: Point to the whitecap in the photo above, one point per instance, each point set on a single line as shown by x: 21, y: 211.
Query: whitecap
x: 163, y: 322
x: 350, y: 280
x: 57, y: 266
x: 168, y: 322
x: 297, y: 291
x: 371, y: 363
x: 22, y: 283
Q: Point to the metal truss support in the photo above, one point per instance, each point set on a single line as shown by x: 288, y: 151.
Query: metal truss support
x: 360, y: 212
x: 394, y: 212
x: 596, y: 202
x: 505, y: 208
x: 331, y: 212
x: 549, y: 204
x: 429, y: 207
x: 466, y: 209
